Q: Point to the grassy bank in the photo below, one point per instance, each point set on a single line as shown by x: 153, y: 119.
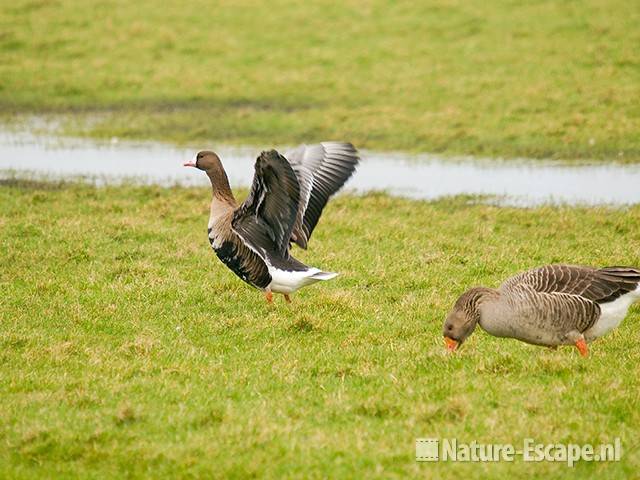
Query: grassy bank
x: 127, y: 348
x: 538, y: 79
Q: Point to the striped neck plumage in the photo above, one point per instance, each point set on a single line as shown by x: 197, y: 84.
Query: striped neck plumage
x: 472, y: 299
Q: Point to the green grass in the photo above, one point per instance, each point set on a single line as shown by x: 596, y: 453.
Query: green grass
x: 128, y: 350
x: 498, y: 78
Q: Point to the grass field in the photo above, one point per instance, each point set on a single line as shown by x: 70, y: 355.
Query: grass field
x: 128, y: 350
x: 497, y: 78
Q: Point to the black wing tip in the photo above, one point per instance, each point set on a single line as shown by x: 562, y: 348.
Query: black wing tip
x: 300, y: 242
x: 627, y: 274
x: 271, y: 160
x: 272, y: 154
x: 621, y: 269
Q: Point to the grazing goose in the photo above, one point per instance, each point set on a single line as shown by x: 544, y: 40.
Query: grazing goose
x: 283, y: 206
x: 552, y: 305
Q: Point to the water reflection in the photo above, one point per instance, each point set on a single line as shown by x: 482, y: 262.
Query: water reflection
x: 517, y: 182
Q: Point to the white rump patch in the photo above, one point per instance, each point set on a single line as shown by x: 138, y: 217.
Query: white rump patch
x: 284, y: 281
x: 612, y: 314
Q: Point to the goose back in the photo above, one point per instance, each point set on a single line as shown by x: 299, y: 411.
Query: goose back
x: 599, y: 285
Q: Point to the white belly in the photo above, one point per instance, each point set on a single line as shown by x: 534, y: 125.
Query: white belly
x: 612, y: 314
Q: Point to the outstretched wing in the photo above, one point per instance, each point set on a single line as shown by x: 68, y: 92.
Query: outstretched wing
x: 598, y: 285
x: 321, y: 169
x: 265, y: 219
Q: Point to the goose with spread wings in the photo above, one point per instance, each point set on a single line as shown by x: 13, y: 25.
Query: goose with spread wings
x: 283, y: 207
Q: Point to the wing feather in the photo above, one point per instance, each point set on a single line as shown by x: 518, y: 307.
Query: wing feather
x: 598, y: 285
x: 265, y: 219
x: 570, y: 311
x: 322, y: 169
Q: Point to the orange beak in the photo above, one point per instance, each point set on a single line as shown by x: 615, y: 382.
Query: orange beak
x: 451, y: 344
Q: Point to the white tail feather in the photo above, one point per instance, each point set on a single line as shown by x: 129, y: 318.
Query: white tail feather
x: 324, y: 275
x: 285, y: 281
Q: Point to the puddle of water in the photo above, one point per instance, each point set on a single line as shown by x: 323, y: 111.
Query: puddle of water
x: 517, y: 182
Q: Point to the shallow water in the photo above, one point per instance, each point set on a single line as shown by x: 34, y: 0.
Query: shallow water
x: 515, y: 182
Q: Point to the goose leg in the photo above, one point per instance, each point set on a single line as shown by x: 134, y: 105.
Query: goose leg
x: 269, y: 296
x: 287, y: 298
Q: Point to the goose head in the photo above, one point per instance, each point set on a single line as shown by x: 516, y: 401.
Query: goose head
x: 210, y: 163
x: 457, y: 327
x: 465, y: 315
x: 205, y: 161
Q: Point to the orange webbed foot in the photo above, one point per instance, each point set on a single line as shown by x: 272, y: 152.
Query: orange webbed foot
x: 269, y: 296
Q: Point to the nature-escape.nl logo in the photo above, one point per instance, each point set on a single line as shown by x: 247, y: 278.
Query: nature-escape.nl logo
x: 451, y: 450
